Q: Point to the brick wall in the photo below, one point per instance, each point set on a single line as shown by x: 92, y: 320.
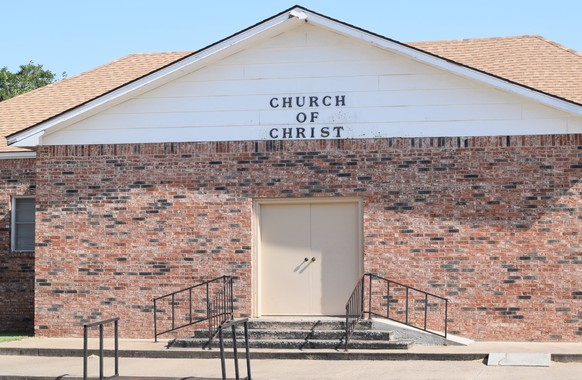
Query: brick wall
x: 492, y: 223
x: 16, y: 269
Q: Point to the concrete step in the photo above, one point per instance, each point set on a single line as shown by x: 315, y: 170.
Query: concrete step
x: 301, y: 334
x: 325, y: 333
x: 307, y: 324
x: 299, y: 344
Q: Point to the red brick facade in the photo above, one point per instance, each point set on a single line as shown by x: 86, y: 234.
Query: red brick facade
x: 491, y: 223
x: 17, y: 177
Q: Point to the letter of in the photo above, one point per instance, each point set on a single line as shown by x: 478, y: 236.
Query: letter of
x: 287, y: 102
x: 302, y: 103
x: 301, y: 117
x: 326, y: 101
x: 274, y: 102
x: 300, y: 133
x: 312, y: 132
x: 287, y: 133
x: 338, y: 130
x: 325, y: 132
x: 340, y: 100
x: 313, y: 101
x: 314, y: 116
x: 274, y: 133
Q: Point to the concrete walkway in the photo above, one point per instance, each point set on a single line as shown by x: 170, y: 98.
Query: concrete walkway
x: 60, y: 358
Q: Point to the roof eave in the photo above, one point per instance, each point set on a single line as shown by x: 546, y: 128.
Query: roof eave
x: 16, y: 155
x: 443, y: 63
x: 286, y: 19
x: 32, y: 136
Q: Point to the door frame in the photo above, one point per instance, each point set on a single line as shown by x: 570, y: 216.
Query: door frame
x: 256, y: 230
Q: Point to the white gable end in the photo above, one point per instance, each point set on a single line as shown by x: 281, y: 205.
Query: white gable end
x: 308, y: 83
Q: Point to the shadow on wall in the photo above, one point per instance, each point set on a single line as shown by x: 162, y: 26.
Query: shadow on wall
x: 16, y: 284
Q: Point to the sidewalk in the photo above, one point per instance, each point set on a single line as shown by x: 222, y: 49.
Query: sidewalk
x: 51, y: 358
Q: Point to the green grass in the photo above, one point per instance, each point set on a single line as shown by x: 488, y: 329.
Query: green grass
x: 13, y: 336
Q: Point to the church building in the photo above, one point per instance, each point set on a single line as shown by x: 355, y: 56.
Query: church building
x: 297, y: 155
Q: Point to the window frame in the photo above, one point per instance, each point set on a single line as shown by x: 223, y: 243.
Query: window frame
x: 13, y: 225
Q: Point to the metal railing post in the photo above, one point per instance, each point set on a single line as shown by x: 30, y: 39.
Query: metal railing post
x: 155, y: 321
x: 232, y: 298
x: 173, y: 298
x: 235, y: 351
x: 222, y: 354
x: 223, y: 303
x: 446, y: 316
x: 347, y: 324
x: 425, y: 309
x: 370, y: 297
x: 100, y: 351
x: 388, y: 299
x: 208, y: 315
x: 248, y: 355
x: 85, y: 352
x: 406, y: 305
x: 190, y: 299
x: 116, y: 329
x: 362, y: 297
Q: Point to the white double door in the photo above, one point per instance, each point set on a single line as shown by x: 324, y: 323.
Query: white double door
x: 310, y: 257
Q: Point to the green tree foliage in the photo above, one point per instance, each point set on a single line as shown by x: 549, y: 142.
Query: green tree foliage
x: 29, y: 77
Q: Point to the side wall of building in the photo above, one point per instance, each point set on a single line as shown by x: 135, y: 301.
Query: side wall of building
x: 17, y: 177
x: 491, y: 223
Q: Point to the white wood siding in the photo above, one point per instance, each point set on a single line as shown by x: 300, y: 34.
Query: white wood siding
x: 386, y: 95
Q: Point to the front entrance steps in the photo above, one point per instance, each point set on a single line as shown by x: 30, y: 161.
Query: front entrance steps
x: 308, y: 333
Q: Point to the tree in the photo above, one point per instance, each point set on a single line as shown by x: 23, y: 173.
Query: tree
x: 30, y: 76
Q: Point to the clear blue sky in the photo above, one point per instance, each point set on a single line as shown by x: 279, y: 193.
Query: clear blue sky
x: 77, y: 35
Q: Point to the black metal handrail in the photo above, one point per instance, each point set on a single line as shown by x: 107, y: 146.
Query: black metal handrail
x: 354, y: 309
x: 356, y: 305
x: 233, y: 324
x: 220, y: 310
x: 219, y: 306
x: 86, y: 327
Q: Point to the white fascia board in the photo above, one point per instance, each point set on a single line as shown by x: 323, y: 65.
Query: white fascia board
x: 271, y: 27
x: 441, y: 63
x: 17, y: 155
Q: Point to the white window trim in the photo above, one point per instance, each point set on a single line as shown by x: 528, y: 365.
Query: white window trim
x: 13, y: 223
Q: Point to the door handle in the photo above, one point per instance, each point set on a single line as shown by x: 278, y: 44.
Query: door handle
x: 312, y: 259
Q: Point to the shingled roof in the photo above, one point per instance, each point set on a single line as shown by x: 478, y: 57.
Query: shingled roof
x: 36, y: 106
x: 530, y: 61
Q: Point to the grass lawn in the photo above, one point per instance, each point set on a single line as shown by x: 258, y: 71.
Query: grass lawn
x: 12, y: 336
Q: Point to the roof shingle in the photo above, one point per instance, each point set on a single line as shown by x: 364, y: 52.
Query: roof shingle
x: 530, y: 61
x: 36, y: 106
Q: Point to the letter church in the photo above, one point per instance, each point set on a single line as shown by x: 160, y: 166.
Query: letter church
x: 450, y: 167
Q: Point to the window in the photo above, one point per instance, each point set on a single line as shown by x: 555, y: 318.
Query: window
x: 23, y: 224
